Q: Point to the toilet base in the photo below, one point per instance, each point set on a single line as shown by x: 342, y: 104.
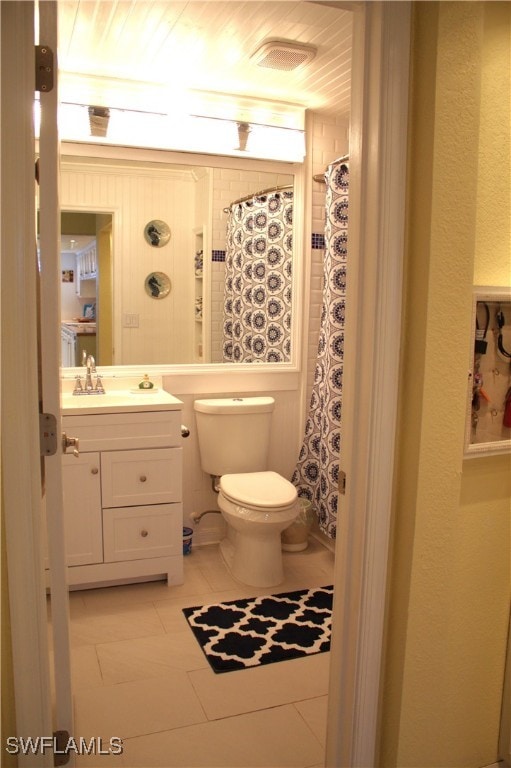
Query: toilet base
x: 253, y: 561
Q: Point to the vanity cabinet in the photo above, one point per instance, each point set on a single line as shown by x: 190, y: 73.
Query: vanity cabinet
x: 123, y: 498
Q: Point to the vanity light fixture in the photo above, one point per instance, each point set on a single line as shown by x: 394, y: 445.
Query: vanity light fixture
x: 99, y: 117
x: 282, y: 140
x: 243, y: 133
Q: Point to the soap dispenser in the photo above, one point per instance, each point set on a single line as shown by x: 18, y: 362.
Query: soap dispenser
x: 146, y: 383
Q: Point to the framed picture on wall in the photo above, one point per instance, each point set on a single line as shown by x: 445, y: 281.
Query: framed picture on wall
x: 488, y: 414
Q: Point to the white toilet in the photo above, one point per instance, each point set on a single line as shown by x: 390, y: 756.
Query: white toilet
x: 234, y: 436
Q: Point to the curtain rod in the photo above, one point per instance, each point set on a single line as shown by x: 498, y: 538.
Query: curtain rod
x: 321, y: 177
x: 258, y: 194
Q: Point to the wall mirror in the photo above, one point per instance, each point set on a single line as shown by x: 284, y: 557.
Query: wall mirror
x: 488, y: 415
x: 232, y: 224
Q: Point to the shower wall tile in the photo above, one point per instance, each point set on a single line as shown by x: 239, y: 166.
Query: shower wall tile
x: 217, y: 298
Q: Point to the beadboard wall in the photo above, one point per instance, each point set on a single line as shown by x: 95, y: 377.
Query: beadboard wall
x: 135, y: 196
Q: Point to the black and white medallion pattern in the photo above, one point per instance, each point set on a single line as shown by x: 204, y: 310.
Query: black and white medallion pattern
x: 316, y: 476
x: 258, y: 266
x: 252, y: 631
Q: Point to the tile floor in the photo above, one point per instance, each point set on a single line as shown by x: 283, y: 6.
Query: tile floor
x: 139, y: 674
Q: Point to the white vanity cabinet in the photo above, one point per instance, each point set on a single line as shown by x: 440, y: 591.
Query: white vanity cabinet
x: 123, y: 497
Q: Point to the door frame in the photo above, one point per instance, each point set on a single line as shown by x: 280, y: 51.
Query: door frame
x: 377, y: 194
x: 378, y: 153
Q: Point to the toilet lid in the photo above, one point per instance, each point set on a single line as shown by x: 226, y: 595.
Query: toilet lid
x: 258, y: 489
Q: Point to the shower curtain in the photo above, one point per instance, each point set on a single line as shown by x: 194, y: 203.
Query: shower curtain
x: 257, y: 295
x: 317, y: 472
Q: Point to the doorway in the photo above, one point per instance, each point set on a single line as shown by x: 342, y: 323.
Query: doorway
x: 86, y: 288
x: 375, y: 176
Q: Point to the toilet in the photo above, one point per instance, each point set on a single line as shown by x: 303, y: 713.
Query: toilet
x: 257, y: 504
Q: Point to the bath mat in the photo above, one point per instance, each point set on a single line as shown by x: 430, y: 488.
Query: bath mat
x: 245, y: 633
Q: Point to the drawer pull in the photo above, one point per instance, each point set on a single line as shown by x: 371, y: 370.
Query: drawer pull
x: 143, y: 478
x: 144, y: 533
x: 94, y: 471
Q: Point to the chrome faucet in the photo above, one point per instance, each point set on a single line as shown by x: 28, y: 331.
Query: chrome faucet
x: 90, y: 387
x: 90, y: 364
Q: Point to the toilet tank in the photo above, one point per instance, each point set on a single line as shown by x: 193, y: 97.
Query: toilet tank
x: 234, y: 434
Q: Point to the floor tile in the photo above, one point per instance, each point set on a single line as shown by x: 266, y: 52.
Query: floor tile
x: 137, y: 708
x: 147, y: 657
x: 85, y: 670
x: 246, y: 690
x: 106, y: 625
x: 314, y: 712
x: 139, y: 673
x: 276, y: 738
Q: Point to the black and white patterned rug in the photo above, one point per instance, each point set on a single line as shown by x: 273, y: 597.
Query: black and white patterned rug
x: 261, y: 630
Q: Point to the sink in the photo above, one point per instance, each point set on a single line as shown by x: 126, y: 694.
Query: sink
x: 118, y: 401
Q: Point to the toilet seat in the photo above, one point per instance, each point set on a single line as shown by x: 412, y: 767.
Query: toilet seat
x: 259, y: 490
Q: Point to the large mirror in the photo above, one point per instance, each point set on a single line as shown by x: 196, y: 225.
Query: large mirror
x: 229, y: 260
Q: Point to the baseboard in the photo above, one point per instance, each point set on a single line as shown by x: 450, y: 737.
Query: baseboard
x: 324, y: 540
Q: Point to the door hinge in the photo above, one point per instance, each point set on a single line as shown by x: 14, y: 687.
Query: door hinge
x: 60, y: 742
x: 47, y: 434
x: 44, y: 69
x: 342, y: 483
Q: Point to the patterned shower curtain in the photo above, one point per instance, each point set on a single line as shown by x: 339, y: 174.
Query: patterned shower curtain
x: 257, y: 297
x: 317, y: 472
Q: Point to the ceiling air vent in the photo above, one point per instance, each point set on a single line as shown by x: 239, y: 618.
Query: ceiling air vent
x: 283, y: 54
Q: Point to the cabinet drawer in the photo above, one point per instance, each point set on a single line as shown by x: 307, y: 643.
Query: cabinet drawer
x: 130, y: 478
x: 119, y: 431
x: 133, y: 533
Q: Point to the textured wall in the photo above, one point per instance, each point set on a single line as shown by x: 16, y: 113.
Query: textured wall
x: 493, y: 223
x: 449, y: 602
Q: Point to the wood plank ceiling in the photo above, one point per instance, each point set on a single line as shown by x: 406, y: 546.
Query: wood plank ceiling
x: 166, y: 47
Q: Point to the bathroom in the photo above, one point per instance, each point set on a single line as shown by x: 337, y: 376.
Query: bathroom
x: 442, y: 499
x: 136, y: 188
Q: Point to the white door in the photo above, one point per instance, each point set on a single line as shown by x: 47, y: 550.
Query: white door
x: 49, y: 324
x: 28, y: 712
x: 22, y: 470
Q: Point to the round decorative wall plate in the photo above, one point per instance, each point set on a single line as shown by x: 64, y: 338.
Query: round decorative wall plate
x: 157, y: 285
x: 157, y: 233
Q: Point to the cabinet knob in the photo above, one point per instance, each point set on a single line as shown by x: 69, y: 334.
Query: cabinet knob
x: 94, y: 470
x: 144, y: 533
x: 143, y: 478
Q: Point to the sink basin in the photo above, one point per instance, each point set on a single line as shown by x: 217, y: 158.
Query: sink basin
x: 118, y: 401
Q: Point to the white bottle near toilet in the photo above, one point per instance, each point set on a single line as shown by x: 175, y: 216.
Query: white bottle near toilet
x: 257, y: 504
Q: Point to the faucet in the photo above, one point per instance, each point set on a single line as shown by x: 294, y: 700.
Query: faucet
x: 90, y: 387
x: 91, y: 368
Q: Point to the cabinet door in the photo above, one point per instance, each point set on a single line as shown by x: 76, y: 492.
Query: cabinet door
x: 82, y: 509
x: 132, y: 478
